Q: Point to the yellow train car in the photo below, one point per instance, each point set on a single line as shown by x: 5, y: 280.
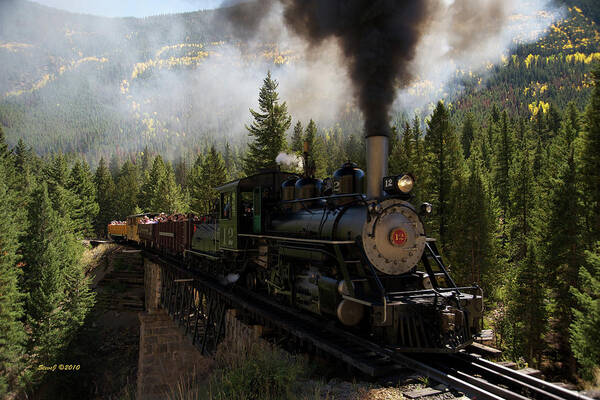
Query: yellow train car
x: 117, y: 231
x: 132, y: 225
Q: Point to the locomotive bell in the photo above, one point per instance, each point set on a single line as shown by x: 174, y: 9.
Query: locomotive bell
x: 394, y: 240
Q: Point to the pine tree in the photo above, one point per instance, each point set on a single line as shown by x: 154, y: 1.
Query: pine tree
x: 589, y: 162
x: 181, y: 172
x: 24, y: 160
x: 12, y: 334
x: 127, y: 190
x: 553, y: 121
x: 229, y: 159
x: 502, y: 161
x: 317, y: 149
x: 204, y: 179
x: 355, y: 151
x: 268, y: 129
x: 401, y: 156
x: 86, y: 205
x: 472, y: 230
x: 59, y: 296
x: 319, y: 155
x: 149, y: 192
x: 114, y: 166
x: 297, y: 138
x: 444, y: 167
x: 310, y: 134
x: 564, y: 254
x: 168, y: 197
x: 584, y: 339
x: 526, y: 308
x: 145, y: 161
x: 522, y: 197
x: 57, y: 177
x: 4, y: 151
x: 468, y: 134
x: 419, y: 158
x: 105, y: 188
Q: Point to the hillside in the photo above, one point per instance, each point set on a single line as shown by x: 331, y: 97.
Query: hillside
x: 553, y: 70
x: 98, y: 86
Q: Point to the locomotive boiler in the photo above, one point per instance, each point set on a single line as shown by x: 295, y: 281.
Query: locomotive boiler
x: 360, y: 259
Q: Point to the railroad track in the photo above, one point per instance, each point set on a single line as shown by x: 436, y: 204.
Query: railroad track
x: 479, y: 378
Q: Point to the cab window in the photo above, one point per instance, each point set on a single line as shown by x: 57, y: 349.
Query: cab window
x: 226, y: 205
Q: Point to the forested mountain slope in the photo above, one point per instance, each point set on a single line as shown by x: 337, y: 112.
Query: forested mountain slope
x: 554, y: 70
x: 98, y: 86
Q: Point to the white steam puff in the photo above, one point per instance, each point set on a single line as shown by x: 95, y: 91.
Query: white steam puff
x: 290, y: 160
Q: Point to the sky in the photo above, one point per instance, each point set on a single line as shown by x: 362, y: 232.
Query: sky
x: 130, y: 8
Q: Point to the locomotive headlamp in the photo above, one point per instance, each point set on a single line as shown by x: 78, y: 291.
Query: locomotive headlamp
x: 402, y: 184
x: 426, y: 208
x: 405, y: 184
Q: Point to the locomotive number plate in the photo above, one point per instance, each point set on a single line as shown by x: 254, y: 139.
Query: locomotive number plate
x: 398, y: 237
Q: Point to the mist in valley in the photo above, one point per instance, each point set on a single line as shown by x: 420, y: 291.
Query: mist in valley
x: 178, y: 83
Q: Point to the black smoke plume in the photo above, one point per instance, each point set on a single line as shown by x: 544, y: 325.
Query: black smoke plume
x: 378, y: 39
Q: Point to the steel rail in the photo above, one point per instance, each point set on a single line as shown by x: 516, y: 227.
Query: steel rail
x: 550, y: 390
x: 496, y: 382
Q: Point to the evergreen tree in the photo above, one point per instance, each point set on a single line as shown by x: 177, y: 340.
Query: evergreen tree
x: 418, y: 160
x: 553, y: 121
x: 468, y: 134
x: 12, y: 334
x: 316, y: 148
x: 310, y: 134
x: 59, y: 296
x: 58, y: 178
x: 502, y: 161
x: 297, y: 138
x: 168, y: 197
x: 564, y: 254
x: 114, y: 166
x: 472, y: 227
x: 401, y: 156
x: 24, y: 169
x: 204, y: 179
x: 145, y: 161
x: 105, y: 188
x: 268, y: 129
x: 319, y: 155
x: 526, y: 307
x: 149, y: 192
x: 584, y: 339
x: 127, y: 190
x: 181, y: 172
x: 523, y: 206
x: 229, y: 159
x: 86, y: 205
x: 443, y: 159
x: 589, y: 161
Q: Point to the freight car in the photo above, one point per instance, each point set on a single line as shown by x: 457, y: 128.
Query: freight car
x: 363, y: 261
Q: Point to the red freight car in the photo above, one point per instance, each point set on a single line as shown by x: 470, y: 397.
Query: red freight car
x: 174, y: 234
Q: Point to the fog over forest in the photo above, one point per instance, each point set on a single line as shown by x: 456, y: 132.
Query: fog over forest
x: 189, y: 79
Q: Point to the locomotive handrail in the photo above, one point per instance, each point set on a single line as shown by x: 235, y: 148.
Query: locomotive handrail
x: 334, y: 196
x: 289, y: 239
x: 432, y: 291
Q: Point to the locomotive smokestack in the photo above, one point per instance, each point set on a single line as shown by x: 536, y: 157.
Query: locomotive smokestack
x: 377, y: 164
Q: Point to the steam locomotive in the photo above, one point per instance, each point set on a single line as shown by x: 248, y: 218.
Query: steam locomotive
x: 325, y: 247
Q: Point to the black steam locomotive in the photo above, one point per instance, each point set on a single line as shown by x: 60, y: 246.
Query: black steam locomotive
x: 328, y: 248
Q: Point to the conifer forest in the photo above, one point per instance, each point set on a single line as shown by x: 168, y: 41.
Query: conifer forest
x: 508, y: 155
